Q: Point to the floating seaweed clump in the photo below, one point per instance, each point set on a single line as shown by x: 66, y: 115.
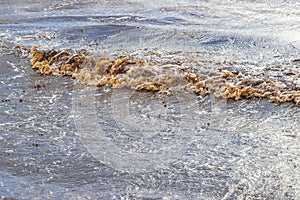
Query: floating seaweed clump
x: 165, y: 78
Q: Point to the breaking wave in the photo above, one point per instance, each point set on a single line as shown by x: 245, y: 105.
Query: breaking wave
x: 143, y: 75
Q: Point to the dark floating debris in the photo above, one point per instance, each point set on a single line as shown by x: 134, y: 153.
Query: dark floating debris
x: 38, y: 86
x: 5, y: 100
x: 35, y: 144
x: 145, y: 76
x: 40, y: 134
x: 296, y: 60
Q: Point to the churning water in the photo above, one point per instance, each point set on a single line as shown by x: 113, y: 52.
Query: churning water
x: 61, y: 139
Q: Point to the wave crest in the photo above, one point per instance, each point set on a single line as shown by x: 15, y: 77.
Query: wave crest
x: 142, y: 75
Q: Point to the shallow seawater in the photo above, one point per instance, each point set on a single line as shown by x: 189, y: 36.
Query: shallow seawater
x: 60, y: 139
